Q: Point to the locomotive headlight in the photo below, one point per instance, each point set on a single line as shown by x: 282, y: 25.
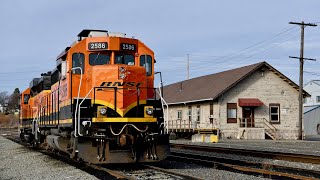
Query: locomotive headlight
x: 122, y: 69
x: 103, y: 111
x: 122, y: 76
x: 149, y: 111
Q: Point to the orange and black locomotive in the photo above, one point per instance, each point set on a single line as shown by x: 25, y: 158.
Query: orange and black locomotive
x: 99, y: 103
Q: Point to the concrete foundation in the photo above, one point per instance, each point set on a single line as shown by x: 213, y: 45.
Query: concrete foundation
x: 251, y: 133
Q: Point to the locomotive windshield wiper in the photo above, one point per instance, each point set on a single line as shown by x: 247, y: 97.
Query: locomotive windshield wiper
x: 94, y: 61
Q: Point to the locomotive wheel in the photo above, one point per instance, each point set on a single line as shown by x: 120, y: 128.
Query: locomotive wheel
x: 34, y: 144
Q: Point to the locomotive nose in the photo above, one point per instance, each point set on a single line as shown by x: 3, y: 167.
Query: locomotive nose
x: 119, y: 86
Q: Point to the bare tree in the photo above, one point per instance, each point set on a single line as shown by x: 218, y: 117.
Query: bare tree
x: 4, y: 98
x: 13, y: 101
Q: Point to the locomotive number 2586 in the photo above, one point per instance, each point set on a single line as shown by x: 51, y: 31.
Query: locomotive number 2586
x: 97, y: 45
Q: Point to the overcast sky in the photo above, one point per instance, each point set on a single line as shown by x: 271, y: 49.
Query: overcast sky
x: 218, y: 35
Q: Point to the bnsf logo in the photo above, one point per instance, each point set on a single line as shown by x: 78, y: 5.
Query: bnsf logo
x: 119, y: 84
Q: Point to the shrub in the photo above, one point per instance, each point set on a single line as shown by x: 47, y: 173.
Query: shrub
x: 9, y: 121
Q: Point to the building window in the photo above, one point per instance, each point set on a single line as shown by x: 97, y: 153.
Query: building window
x: 190, y: 113
x: 179, y: 114
x: 232, y: 113
x: 318, y: 99
x: 198, y: 113
x: 274, y: 112
x: 304, y: 100
x: 211, y: 113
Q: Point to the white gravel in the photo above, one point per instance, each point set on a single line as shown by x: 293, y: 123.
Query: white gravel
x: 19, y: 162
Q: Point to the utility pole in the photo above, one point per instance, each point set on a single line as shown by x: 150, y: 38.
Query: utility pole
x: 301, y: 58
x: 188, y: 68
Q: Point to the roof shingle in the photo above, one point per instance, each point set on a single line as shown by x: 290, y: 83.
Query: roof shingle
x: 211, y: 86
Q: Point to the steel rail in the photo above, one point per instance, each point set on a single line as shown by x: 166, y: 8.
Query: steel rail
x: 113, y: 173
x: 92, y: 169
x: 243, y: 166
x: 96, y: 170
x: 241, y: 169
x: 168, y: 171
x: 295, y: 157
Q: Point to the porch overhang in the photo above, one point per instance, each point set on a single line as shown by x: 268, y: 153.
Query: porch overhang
x: 252, y: 102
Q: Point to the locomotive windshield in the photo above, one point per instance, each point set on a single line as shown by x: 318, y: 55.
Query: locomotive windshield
x: 127, y: 59
x: 99, y: 59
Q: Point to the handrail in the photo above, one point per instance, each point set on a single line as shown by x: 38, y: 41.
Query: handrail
x: 264, y: 122
x: 187, y: 124
x: 34, y: 119
x: 80, y: 110
x: 269, y: 123
x: 245, y: 122
x: 163, y: 102
x: 75, y: 114
x: 35, y: 129
x: 77, y: 117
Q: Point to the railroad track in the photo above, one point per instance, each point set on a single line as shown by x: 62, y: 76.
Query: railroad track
x: 130, y: 172
x: 304, y: 158
x: 144, y: 171
x: 193, y: 154
x: 239, y: 166
x: 9, y: 132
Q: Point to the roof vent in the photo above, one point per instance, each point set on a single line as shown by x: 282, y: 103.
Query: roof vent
x: 117, y: 34
x: 97, y: 34
x: 91, y: 33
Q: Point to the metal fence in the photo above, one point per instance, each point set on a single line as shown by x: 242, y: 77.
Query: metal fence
x: 184, y: 125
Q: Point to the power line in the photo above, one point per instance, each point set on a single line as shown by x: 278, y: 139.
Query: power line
x: 312, y: 73
x: 207, y: 66
x: 232, y: 55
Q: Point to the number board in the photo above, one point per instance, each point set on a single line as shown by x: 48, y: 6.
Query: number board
x: 97, y: 45
x: 127, y: 47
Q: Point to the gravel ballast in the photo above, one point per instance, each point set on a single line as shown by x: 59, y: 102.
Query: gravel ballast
x: 288, y: 146
x: 19, y: 162
x: 202, y: 172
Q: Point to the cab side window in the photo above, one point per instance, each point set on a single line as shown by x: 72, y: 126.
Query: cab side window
x: 146, y: 62
x: 26, y: 98
x: 78, y: 61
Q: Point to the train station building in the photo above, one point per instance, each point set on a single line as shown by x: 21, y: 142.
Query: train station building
x: 250, y: 102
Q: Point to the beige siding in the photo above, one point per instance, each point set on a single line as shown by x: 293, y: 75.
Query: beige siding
x: 204, y: 115
x: 267, y: 87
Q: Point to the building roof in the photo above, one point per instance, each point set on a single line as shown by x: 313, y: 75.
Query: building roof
x: 307, y: 109
x: 212, y: 86
x: 314, y: 81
